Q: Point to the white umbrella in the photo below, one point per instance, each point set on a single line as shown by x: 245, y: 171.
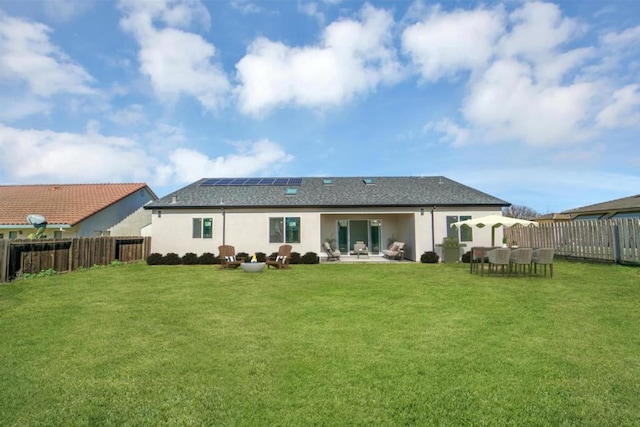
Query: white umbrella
x: 494, y: 221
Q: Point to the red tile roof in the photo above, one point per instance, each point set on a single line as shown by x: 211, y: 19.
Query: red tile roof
x: 60, y: 203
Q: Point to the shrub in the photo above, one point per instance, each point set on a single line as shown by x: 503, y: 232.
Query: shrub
x: 244, y: 255
x: 466, y: 257
x: 295, y: 258
x: 207, y: 258
x: 309, y: 258
x: 429, y: 257
x: 154, y: 259
x: 171, y: 258
x: 189, y: 258
x: 273, y: 256
x: 261, y: 256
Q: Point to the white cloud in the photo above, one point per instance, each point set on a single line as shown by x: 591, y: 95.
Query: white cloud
x: 28, y: 56
x: 131, y: 115
x: 48, y: 156
x: 187, y: 165
x: 509, y: 104
x: 177, y: 62
x: 538, y: 30
x: 22, y: 107
x: 353, y: 57
x: 624, y: 109
x: 443, y: 44
x: 65, y: 10
x: 524, y: 84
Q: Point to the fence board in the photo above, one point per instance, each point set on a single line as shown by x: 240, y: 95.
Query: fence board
x: 589, y: 240
x: 32, y: 256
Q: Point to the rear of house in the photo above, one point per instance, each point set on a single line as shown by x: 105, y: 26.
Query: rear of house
x: 260, y: 214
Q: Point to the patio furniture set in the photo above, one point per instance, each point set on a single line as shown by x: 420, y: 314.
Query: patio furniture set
x: 394, y: 251
x: 229, y: 259
x: 511, y: 260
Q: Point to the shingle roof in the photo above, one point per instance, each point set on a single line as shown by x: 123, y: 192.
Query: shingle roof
x: 631, y: 203
x: 60, y: 203
x: 343, y: 192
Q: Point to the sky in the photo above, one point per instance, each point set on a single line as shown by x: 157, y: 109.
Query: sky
x: 536, y: 103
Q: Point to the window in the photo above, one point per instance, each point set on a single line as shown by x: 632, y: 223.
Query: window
x: 291, y: 191
x: 451, y: 231
x: 202, y: 228
x: 327, y: 181
x: 466, y: 233
x: 13, y: 234
x: 284, y: 230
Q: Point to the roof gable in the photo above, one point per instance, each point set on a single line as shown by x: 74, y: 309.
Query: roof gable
x: 61, y: 203
x: 340, y: 192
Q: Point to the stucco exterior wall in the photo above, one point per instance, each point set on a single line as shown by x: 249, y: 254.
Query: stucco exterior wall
x: 248, y: 229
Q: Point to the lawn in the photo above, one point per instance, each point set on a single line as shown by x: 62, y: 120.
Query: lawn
x: 339, y: 344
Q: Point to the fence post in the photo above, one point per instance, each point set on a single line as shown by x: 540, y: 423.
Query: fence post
x: 616, y: 243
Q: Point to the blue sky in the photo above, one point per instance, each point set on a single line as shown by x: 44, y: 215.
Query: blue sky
x: 537, y: 103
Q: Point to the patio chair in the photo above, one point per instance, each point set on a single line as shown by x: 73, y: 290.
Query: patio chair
x: 520, y: 259
x: 395, y: 251
x: 359, y: 248
x: 228, y: 258
x: 282, y: 259
x: 543, y: 256
x: 499, y: 257
x: 331, y: 254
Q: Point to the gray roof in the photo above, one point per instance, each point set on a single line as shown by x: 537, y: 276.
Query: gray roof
x: 625, y: 204
x: 343, y: 192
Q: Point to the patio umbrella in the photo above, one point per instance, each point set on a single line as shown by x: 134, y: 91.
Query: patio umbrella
x: 494, y: 221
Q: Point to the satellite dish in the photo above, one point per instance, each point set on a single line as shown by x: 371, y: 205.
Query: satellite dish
x: 35, y: 219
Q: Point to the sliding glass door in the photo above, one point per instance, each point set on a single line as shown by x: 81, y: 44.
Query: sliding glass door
x: 359, y: 230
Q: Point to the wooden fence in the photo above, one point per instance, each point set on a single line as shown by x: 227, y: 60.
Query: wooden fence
x: 601, y: 240
x: 32, y: 256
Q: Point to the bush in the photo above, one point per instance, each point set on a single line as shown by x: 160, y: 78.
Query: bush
x: 295, y: 258
x: 154, y: 259
x: 309, y: 258
x: 273, y: 256
x: 466, y: 257
x: 244, y: 255
x: 189, y: 258
x: 429, y: 257
x: 207, y: 258
x: 261, y: 256
x: 171, y: 258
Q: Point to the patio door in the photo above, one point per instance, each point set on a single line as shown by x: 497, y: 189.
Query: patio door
x: 359, y: 230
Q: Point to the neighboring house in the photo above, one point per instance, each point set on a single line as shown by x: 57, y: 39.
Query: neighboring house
x: 260, y: 214
x: 626, y: 207
x: 552, y: 218
x: 75, y: 210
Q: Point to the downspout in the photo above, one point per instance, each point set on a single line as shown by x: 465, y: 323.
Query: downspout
x: 433, y: 230
x: 223, y: 226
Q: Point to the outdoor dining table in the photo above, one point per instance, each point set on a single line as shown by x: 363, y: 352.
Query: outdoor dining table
x: 478, y: 254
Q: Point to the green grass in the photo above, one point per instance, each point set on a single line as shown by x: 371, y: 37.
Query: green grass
x: 401, y: 344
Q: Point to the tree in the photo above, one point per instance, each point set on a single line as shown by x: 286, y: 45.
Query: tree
x: 520, y: 212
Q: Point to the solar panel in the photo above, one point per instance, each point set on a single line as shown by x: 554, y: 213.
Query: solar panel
x: 221, y: 182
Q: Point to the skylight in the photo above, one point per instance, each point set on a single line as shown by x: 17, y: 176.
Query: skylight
x: 327, y: 181
x: 291, y: 191
x: 369, y: 181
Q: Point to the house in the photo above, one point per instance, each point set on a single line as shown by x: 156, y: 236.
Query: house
x: 626, y: 207
x: 260, y: 214
x: 552, y: 218
x: 75, y: 210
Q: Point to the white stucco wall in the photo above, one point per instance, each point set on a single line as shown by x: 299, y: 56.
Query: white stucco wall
x: 248, y: 229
